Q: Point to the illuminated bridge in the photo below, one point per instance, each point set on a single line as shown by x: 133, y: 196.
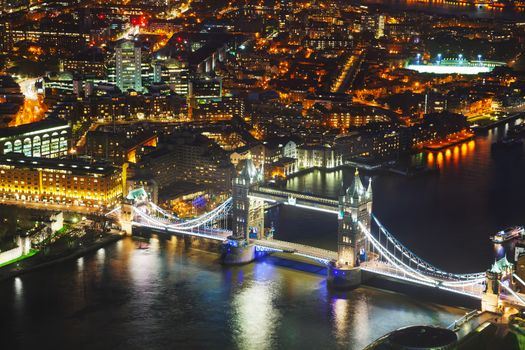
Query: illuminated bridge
x: 360, y: 251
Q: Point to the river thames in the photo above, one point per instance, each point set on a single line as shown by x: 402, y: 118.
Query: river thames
x: 169, y: 297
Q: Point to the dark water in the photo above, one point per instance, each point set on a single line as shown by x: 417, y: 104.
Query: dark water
x: 168, y: 297
x: 448, y: 8
x: 447, y: 218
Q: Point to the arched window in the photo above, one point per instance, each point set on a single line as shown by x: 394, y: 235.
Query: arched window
x: 18, y: 146
x: 45, y: 145
x: 28, y: 151
x: 54, y: 145
x: 8, y: 147
x: 36, y: 146
x: 63, y: 144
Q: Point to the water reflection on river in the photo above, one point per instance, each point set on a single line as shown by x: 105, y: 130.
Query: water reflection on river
x: 169, y: 296
x: 448, y: 8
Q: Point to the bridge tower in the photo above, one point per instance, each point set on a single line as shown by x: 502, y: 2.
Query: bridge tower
x: 126, y: 216
x: 355, y: 206
x: 247, y: 217
x: 500, y: 272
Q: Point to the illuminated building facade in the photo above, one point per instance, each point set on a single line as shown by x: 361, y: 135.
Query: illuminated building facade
x: 64, y: 181
x: 224, y: 109
x: 59, y: 38
x: 128, y: 65
x: 118, y: 147
x: 206, y: 89
x: 88, y: 66
x: 190, y: 158
x: 48, y: 138
x: 346, y: 118
x: 355, y: 205
x: 318, y: 157
x: 173, y: 72
x: 377, y: 144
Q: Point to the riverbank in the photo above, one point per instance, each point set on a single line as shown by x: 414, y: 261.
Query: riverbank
x: 40, y: 261
x: 498, y: 122
x: 449, y: 141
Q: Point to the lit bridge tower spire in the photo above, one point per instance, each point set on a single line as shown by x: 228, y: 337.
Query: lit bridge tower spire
x: 355, y: 205
x: 248, y: 216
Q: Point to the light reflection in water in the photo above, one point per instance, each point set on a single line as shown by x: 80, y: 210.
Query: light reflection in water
x: 471, y: 145
x: 439, y: 160
x: 256, y: 306
x: 19, y: 293
x: 430, y: 159
x: 455, y: 155
x: 255, y: 317
x: 360, y: 325
x: 18, y: 287
x: 452, y: 156
x: 463, y: 150
x: 340, y: 316
x: 101, y: 254
x: 143, y: 264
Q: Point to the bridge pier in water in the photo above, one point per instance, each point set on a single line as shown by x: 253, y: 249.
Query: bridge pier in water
x: 354, y: 209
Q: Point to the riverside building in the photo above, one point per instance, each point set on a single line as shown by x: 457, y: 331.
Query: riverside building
x: 60, y: 181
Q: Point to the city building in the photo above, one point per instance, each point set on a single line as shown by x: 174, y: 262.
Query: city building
x: 318, y: 157
x: 64, y: 181
x: 48, y: 138
x: 118, y: 147
x: 187, y: 157
x: 128, y: 65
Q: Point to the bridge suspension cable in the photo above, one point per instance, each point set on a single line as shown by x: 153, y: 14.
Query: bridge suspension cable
x: 422, y: 264
x: 400, y: 267
x: 210, y: 224
x: 164, y: 212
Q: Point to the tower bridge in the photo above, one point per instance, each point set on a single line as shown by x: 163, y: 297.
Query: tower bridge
x: 302, y: 200
x: 238, y: 224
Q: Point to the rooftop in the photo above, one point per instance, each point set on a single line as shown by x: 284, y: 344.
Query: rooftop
x: 68, y: 164
x: 40, y: 126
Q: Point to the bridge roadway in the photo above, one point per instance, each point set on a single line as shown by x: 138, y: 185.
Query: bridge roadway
x: 381, y: 268
x: 302, y: 200
x: 297, y: 249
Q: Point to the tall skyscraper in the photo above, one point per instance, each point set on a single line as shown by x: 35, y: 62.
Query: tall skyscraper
x: 128, y: 65
x: 380, y: 29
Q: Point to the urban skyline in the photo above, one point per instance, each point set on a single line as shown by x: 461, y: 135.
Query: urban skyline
x: 276, y: 174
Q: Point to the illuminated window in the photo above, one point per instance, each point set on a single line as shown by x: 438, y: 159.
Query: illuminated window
x: 18, y: 146
x: 27, y: 149
x: 8, y: 147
